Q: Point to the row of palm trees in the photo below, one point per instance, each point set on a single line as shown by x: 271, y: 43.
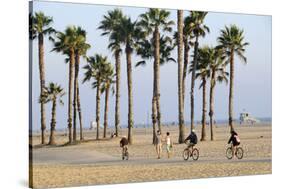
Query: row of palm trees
x: 149, y: 38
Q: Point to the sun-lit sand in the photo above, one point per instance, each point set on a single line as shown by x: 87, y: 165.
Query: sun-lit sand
x: 99, y: 162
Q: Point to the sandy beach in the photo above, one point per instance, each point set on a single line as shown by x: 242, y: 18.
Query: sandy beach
x: 99, y: 162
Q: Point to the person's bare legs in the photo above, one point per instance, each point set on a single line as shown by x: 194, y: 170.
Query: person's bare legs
x: 158, y: 151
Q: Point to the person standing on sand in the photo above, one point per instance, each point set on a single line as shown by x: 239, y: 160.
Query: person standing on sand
x: 158, y: 144
x: 169, y: 144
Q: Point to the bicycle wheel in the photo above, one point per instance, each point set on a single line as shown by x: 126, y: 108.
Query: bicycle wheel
x: 239, y: 153
x: 229, y: 153
x: 186, y: 154
x: 195, y: 154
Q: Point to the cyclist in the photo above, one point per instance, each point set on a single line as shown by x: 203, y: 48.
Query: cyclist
x: 124, y: 144
x: 234, y: 140
x: 192, y: 139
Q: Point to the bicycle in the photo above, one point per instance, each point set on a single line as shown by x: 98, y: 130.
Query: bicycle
x: 194, y: 153
x: 239, y: 152
x: 125, y: 154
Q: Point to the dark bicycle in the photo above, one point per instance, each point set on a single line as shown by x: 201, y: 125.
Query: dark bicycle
x: 125, y: 154
x: 239, y: 152
x: 191, y: 152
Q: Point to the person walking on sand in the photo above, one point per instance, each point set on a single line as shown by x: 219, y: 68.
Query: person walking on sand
x: 169, y: 144
x: 158, y: 144
x: 124, y: 145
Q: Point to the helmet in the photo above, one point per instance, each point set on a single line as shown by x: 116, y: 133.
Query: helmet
x: 193, y: 130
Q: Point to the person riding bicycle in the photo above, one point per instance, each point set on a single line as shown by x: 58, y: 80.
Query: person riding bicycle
x: 234, y: 140
x: 124, y: 144
x: 192, y: 139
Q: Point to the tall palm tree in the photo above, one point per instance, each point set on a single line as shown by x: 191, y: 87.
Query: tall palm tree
x: 79, y: 113
x: 202, y: 73
x: 146, y: 51
x: 95, y: 69
x: 231, y: 41
x: 187, y: 43
x: 66, y: 43
x: 52, y: 93
x: 80, y: 50
x: 129, y: 35
x: 199, y: 29
x: 152, y: 23
x: 180, y: 78
x: 40, y: 26
x: 217, y: 73
x: 109, y: 25
x: 106, y: 86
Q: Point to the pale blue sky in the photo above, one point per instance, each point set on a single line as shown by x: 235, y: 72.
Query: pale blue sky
x: 252, y: 81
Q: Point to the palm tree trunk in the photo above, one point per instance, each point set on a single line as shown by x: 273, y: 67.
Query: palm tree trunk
x: 193, y: 83
x: 231, y: 86
x: 130, y: 93
x: 42, y: 85
x: 185, y: 66
x: 117, y: 94
x: 70, y: 82
x: 180, y: 48
x: 211, y: 112
x: 98, y: 108
x: 154, y: 120
x: 203, y: 133
x: 105, y: 111
x: 75, y: 96
x: 79, y: 113
x: 157, y: 74
x: 53, y: 123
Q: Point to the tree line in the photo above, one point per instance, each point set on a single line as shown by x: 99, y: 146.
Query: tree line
x: 151, y: 36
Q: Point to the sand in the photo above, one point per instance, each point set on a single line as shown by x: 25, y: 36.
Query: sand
x: 99, y: 162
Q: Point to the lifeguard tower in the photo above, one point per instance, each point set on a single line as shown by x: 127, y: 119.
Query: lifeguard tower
x: 245, y: 117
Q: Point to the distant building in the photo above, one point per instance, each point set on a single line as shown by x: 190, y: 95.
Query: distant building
x: 246, y: 118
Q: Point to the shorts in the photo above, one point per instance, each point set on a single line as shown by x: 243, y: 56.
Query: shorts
x: 169, y: 148
x: 125, y: 148
x: 190, y: 144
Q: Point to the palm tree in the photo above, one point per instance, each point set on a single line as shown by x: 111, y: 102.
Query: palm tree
x: 180, y: 78
x: 146, y: 50
x: 187, y: 43
x: 80, y: 50
x: 152, y: 23
x: 231, y: 42
x: 217, y: 73
x: 129, y: 35
x: 106, y: 86
x: 40, y: 26
x: 109, y: 25
x: 202, y: 73
x: 52, y: 93
x: 66, y: 43
x: 96, y: 67
x: 198, y: 30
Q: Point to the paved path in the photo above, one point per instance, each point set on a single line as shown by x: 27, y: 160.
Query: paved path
x: 80, y: 157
